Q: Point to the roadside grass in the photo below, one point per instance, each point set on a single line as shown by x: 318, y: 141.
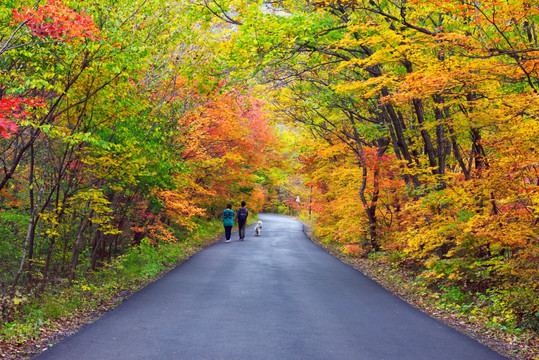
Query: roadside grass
x: 40, y: 322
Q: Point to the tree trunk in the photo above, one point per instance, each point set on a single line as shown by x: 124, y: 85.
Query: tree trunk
x: 96, y: 248
x: 31, y: 228
x: 429, y: 147
x: 441, y: 142
x: 420, y: 115
x: 31, y: 182
x: 370, y: 206
x: 478, y: 152
x: 406, y: 177
x: 78, y: 242
x: 46, y: 267
x: 139, y: 235
x: 401, y: 140
x: 457, y: 153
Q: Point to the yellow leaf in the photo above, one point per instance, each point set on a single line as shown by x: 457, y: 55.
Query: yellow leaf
x: 17, y: 300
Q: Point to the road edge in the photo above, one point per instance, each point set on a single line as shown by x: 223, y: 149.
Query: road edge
x: 382, y: 274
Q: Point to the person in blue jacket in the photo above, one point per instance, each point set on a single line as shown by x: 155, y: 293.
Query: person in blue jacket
x: 228, y: 221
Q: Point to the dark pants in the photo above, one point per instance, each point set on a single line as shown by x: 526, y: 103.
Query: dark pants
x: 228, y: 232
x: 241, y: 226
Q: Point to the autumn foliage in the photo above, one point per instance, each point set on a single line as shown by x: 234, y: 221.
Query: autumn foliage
x: 419, y: 136
x: 56, y: 21
x: 109, y: 141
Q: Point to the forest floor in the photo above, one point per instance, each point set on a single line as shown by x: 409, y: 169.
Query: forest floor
x: 514, y: 346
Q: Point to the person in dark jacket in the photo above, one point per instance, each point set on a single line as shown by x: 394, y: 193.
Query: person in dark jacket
x: 241, y: 217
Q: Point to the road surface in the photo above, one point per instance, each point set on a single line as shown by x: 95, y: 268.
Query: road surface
x: 277, y: 296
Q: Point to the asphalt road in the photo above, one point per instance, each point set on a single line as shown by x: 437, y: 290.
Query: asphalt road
x: 277, y: 296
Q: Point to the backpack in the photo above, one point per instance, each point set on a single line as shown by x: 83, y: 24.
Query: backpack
x: 242, y: 214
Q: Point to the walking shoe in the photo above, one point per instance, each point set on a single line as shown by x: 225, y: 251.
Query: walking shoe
x: 227, y: 240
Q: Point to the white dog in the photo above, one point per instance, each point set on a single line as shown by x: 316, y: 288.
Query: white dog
x: 258, y: 228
